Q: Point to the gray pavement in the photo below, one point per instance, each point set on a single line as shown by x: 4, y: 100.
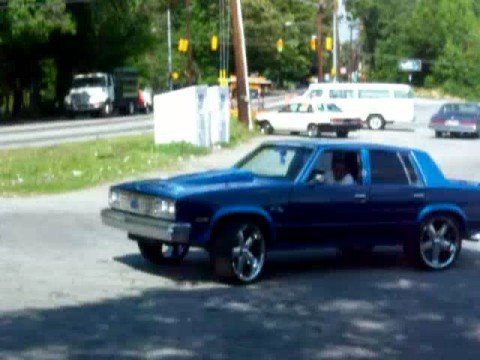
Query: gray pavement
x: 72, y: 288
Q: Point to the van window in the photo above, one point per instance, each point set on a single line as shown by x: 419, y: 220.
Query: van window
x: 341, y: 94
x: 373, y: 94
x: 316, y: 93
x: 403, y: 94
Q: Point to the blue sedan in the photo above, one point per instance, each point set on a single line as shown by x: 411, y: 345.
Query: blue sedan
x: 301, y: 194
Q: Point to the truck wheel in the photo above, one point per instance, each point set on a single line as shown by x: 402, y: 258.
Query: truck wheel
x: 131, y: 108
x: 376, y: 122
x: 107, y: 110
x: 162, y: 253
x: 239, y: 252
x: 437, y: 245
x: 342, y: 134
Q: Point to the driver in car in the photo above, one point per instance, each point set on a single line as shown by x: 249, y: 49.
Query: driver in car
x: 339, y: 174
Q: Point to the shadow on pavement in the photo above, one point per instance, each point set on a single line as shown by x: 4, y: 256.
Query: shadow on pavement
x: 308, y: 307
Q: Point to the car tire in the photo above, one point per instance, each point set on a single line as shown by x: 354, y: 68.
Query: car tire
x: 238, y: 254
x: 376, y: 122
x: 313, y: 131
x: 266, y: 128
x: 342, y: 134
x: 437, y: 244
x: 161, y: 253
x: 438, y: 134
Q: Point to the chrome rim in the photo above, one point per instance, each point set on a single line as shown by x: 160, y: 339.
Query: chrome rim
x: 264, y: 129
x: 311, y: 131
x: 375, y: 123
x: 439, y: 242
x: 174, y: 251
x: 107, y: 109
x: 248, y: 257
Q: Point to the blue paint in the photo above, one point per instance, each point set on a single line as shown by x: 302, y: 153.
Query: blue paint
x: 303, y: 215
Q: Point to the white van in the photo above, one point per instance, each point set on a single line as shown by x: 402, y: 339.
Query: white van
x: 376, y: 104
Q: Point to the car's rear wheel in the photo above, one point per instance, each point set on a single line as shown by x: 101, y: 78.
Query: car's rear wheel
x: 162, y: 253
x: 312, y: 131
x: 438, y: 244
x: 438, y: 134
x: 342, y: 134
x: 376, y: 122
x: 239, y: 252
x: 266, y: 128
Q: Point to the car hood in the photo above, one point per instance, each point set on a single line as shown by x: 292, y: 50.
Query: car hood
x: 179, y: 186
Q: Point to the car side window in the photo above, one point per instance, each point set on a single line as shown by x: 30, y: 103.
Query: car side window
x: 340, y: 167
x: 316, y: 94
x: 304, y: 108
x: 387, y: 168
x: 413, y: 176
x: 290, y: 108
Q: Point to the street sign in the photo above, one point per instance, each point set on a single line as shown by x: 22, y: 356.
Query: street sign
x: 410, y: 65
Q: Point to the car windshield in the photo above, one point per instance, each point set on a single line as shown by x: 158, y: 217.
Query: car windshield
x: 276, y: 161
x: 91, y: 81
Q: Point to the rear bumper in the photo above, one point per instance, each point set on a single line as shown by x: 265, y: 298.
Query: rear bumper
x: 470, y: 129
x: 154, y: 229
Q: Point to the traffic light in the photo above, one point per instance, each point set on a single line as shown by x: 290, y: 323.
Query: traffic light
x: 214, y: 43
x: 280, y: 44
x: 313, y: 43
x: 183, y: 45
x: 329, y: 43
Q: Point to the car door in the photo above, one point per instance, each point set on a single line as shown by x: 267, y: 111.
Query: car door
x: 396, y: 196
x: 281, y: 120
x: 322, y: 212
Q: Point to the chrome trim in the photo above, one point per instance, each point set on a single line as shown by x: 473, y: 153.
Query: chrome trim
x: 155, y: 229
x: 475, y: 237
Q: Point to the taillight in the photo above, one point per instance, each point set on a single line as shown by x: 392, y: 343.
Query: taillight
x: 436, y: 120
x: 336, y: 121
x: 140, y: 99
x: 468, y: 122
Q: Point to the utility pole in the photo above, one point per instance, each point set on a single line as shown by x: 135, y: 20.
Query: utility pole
x: 335, y: 41
x: 241, y: 66
x: 320, y: 14
x: 189, y: 38
x: 169, y: 41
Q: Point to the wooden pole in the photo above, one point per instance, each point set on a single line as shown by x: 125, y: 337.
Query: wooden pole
x: 189, y: 37
x: 241, y: 66
x: 320, y: 15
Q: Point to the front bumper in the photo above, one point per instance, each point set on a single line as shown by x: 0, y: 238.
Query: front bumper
x: 341, y: 126
x: 154, y: 229
x: 84, y: 107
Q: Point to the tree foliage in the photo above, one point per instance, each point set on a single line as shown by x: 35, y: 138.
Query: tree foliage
x: 443, y: 33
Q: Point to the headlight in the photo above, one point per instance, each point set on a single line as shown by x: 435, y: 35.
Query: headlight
x: 68, y: 100
x: 114, y: 198
x: 162, y: 208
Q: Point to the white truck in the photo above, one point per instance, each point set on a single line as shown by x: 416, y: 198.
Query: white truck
x: 100, y: 94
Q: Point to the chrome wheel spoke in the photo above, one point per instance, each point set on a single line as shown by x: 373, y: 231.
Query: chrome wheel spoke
x: 236, y: 252
x: 432, y: 233
x: 241, y: 264
x: 427, y: 245
x: 435, y: 253
x: 443, y: 231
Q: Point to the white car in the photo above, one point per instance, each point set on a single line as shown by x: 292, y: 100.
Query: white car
x: 311, y: 118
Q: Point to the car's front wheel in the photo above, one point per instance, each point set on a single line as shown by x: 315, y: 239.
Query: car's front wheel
x: 162, y: 253
x: 312, y: 131
x: 438, y: 245
x: 376, y: 122
x: 266, y: 128
x: 239, y: 252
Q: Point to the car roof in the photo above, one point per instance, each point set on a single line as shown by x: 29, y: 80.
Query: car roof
x: 314, y: 143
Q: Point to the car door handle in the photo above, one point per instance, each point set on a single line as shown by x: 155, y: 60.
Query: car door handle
x: 360, y: 196
x: 419, y: 196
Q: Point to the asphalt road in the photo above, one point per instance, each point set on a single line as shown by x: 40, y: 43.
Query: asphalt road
x: 47, y: 133
x: 72, y: 288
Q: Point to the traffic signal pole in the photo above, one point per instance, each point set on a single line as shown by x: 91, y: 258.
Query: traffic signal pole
x: 320, y: 15
x: 241, y: 66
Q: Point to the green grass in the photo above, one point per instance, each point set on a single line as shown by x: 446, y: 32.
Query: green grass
x: 79, y: 165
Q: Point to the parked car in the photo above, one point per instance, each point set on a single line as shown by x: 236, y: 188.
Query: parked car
x: 311, y: 118
x: 457, y: 119
x: 301, y: 194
